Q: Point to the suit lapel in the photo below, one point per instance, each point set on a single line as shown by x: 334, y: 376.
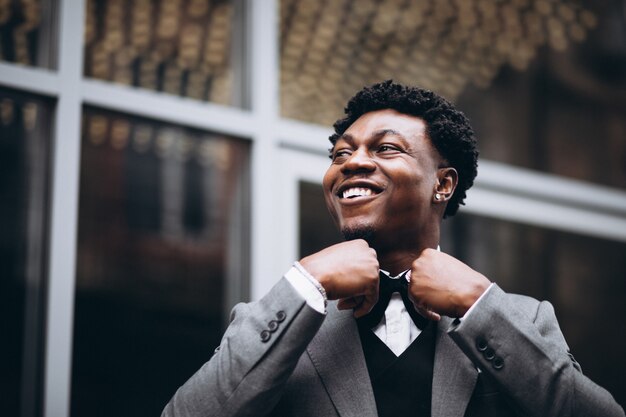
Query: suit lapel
x: 454, y: 376
x: 337, y: 355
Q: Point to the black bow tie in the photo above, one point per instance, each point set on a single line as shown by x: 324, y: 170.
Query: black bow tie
x: 387, y: 287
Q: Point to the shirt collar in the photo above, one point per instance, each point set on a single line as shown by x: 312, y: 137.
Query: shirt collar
x: 403, y: 272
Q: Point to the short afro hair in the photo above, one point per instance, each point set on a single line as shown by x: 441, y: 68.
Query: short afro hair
x: 448, y: 129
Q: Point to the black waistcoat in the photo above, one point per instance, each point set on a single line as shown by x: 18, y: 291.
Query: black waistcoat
x: 402, y: 385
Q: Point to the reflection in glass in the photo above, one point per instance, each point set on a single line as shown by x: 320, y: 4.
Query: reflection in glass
x: 178, y: 47
x: 25, y: 32
x: 317, y: 230
x: 162, y: 257
x: 329, y: 50
x: 582, y: 277
x: 24, y: 171
x: 543, y: 82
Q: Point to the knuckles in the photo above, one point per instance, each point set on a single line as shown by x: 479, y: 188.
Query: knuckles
x: 425, y: 258
x: 417, y: 265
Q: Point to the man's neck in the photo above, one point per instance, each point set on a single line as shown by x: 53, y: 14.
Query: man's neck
x: 399, y: 260
x: 397, y: 252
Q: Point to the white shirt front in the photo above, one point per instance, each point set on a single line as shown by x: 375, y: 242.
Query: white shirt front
x: 396, y: 329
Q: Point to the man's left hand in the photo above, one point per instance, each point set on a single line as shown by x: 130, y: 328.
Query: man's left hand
x: 442, y: 285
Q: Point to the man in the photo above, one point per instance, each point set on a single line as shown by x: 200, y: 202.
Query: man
x: 402, y: 159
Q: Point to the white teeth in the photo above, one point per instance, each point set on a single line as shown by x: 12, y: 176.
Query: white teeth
x: 357, y: 192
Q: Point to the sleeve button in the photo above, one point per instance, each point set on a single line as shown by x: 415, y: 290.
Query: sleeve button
x: 498, y: 363
x: 272, y: 326
x: 281, y: 316
x: 265, y: 336
x: 489, y: 354
x: 481, y: 344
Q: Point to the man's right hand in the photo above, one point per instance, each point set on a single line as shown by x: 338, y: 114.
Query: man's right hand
x: 348, y: 271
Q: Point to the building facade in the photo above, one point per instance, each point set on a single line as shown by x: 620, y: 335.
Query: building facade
x: 161, y: 161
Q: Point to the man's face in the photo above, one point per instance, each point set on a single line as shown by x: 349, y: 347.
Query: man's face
x: 382, y: 177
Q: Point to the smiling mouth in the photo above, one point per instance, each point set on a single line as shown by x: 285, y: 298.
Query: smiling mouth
x: 357, y: 192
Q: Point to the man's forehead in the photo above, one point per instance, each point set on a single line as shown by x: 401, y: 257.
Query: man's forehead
x: 387, y: 120
x: 383, y: 123
x: 380, y: 133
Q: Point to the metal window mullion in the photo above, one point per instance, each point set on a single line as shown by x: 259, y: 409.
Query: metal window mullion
x: 33, y: 80
x: 167, y: 108
x: 64, y: 212
x: 544, y: 213
x: 262, y: 50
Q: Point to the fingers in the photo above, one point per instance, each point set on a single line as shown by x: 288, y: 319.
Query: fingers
x: 369, y: 301
x: 428, y: 314
x: 421, y: 307
x: 360, y: 304
x: 424, y: 311
x: 349, y: 303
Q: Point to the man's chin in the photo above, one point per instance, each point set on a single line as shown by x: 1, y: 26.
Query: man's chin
x: 360, y: 232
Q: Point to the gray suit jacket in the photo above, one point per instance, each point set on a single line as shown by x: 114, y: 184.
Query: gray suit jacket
x: 279, y: 357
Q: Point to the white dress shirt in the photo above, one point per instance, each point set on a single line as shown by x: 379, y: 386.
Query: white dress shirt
x: 396, y: 329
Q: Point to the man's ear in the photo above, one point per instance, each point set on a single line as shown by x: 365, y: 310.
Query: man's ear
x: 447, y: 179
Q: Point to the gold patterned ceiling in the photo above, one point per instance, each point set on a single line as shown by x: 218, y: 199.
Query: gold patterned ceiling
x: 18, y: 23
x: 175, y: 46
x: 330, y: 49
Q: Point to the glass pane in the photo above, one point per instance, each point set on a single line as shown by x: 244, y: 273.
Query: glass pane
x: 188, y: 49
x: 26, y: 32
x: 317, y: 230
x: 162, y: 257
x: 583, y: 277
x: 543, y: 82
x: 24, y: 170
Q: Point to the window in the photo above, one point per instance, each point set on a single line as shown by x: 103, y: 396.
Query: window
x: 162, y: 257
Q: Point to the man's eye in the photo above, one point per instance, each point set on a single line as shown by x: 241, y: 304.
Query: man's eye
x: 387, y: 148
x: 341, y: 154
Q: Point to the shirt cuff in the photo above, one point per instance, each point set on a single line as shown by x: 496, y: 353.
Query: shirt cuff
x: 306, y: 289
x: 468, y: 312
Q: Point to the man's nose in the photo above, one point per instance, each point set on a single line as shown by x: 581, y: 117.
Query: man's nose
x: 359, y: 161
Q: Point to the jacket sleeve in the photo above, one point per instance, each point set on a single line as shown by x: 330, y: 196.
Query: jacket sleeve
x: 257, y: 354
x: 518, y: 342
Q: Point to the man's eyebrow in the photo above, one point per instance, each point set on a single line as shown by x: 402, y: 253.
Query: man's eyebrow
x: 345, y: 136
x: 384, y: 132
x: 376, y: 135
